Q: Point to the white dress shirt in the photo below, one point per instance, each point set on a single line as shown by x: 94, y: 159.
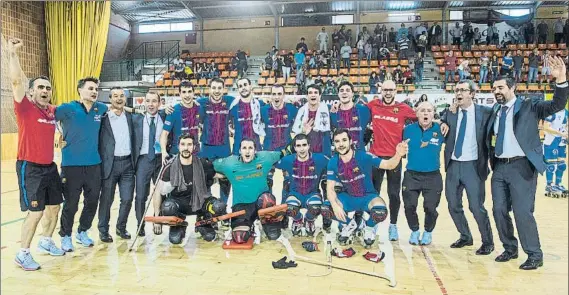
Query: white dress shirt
x: 511, y: 145
x: 469, y: 146
x: 121, y: 133
x: 146, y: 132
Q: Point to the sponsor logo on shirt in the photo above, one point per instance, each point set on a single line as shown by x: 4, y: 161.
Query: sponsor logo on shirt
x: 278, y: 126
x: 387, y: 118
x: 395, y: 110
x: 44, y: 121
x: 259, y: 166
x: 167, y: 123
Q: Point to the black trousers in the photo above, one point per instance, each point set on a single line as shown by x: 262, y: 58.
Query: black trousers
x: 558, y: 38
x: 462, y: 176
x: 146, y: 170
x: 122, y: 174
x: 542, y: 39
x: 430, y: 185
x: 513, y: 189
x: 77, y: 180
x: 393, y: 188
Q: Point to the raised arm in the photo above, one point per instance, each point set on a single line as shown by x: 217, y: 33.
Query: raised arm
x: 544, y: 108
x: 18, y: 79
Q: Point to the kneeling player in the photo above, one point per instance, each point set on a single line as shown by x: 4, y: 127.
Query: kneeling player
x: 184, y: 182
x: 303, y: 172
x: 353, y: 169
x: 555, y: 151
x: 247, y: 174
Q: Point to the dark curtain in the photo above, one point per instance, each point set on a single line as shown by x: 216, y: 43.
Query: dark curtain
x: 485, y: 16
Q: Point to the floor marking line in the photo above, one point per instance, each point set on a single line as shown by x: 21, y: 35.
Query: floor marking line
x: 12, y: 221
x: 434, y: 271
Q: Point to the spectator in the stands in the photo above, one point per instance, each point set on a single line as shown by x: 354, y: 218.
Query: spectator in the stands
x: 468, y: 35
x: 542, y: 31
x: 477, y: 36
x: 494, y: 68
x: 507, y: 64
x: 198, y: 70
x: 383, y: 34
x: 450, y: 67
x: 422, y: 43
x: 287, y: 64
x: 382, y: 74
x: 312, y: 62
x: 558, y: 31
x: 402, y: 32
x: 403, y: 48
x: 309, y: 79
x: 375, y: 45
x: 342, y: 35
x: 484, y: 68
x: 348, y: 36
x: 323, y: 60
x: 435, y: 34
x: 420, y: 29
x: 407, y: 76
x: 464, y: 69
x: 411, y: 37
x: 383, y: 53
x: 529, y: 33
x: 492, y: 34
x: 214, y: 70
x: 334, y: 57
x: 268, y: 65
x: 322, y: 39
x: 302, y: 45
x: 533, y: 61
x: 398, y: 75
x: 341, y: 78
x: 189, y: 72
x: 299, y: 58
x: 368, y: 50
x: 373, y: 82
x: 277, y: 65
x: 274, y: 51
x: 179, y: 69
x: 507, y: 40
x: 545, y: 69
x: 456, y: 32
x: 361, y: 51
x: 242, y: 65
x: 364, y: 34
x: 345, y: 52
x: 419, y: 64
x: 336, y: 38
x: 518, y: 64
x: 233, y: 64
x: 392, y: 38
x: 319, y: 81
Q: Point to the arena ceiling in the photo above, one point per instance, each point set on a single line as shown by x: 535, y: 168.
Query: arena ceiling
x: 151, y: 11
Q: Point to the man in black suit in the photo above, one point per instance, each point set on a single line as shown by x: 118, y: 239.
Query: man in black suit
x: 116, y: 147
x: 516, y: 156
x: 466, y: 164
x: 147, y: 130
x: 435, y: 34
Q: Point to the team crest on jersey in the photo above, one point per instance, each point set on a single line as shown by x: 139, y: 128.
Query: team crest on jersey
x: 354, y: 118
x: 435, y: 134
x: 97, y: 118
x: 404, y: 188
x: 395, y: 110
x: 311, y: 168
x: 259, y: 166
x: 285, y: 174
x: 223, y: 104
x: 285, y: 117
x: 356, y: 170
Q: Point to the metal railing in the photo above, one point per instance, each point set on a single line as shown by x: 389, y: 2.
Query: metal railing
x: 146, y: 55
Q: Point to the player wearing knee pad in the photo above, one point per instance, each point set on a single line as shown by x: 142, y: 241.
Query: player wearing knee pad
x: 353, y: 169
x: 555, y: 149
x: 248, y: 175
x: 183, y: 191
x: 303, y: 170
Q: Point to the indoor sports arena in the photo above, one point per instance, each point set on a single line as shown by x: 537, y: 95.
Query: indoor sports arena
x: 284, y: 147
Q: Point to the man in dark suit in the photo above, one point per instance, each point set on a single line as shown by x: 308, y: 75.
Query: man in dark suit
x: 466, y: 164
x: 435, y: 34
x: 516, y: 156
x: 147, y: 130
x: 116, y: 147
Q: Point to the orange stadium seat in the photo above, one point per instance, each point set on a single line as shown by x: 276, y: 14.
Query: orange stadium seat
x: 228, y: 82
x: 167, y: 83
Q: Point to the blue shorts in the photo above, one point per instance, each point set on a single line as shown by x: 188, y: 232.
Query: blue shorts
x: 214, y: 152
x: 553, y: 152
x: 302, y: 198
x: 351, y: 203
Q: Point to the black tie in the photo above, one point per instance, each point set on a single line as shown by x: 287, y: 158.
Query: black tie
x: 151, y: 139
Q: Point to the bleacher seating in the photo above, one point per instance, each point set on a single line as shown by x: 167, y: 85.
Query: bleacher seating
x: 478, y: 50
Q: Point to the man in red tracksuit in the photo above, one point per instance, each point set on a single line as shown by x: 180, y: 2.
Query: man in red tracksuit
x: 388, y: 120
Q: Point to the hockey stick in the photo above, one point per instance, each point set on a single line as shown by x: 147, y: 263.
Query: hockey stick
x: 328, y: 250
x: 292, y: 255
x: 158, y: 179
x: 219, y: 218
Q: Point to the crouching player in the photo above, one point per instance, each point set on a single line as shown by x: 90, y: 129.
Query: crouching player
x: 555, y: 152
x: 248, y: 173
x: 353, y: 169
x: 183, y: 190
x: 303, y: 172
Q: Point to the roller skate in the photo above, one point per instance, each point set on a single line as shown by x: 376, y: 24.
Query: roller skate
x: 358, y: 217
x: 369, y: 237
x: 309, y: 227
x: 550, y: 191
x: 296, y: 227
x: 562, y: 191
x: 346, y: 235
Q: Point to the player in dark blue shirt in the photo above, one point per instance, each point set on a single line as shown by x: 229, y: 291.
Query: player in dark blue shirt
x: 353, y: 170
x: 423, y: 174
x: 303, y: 171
